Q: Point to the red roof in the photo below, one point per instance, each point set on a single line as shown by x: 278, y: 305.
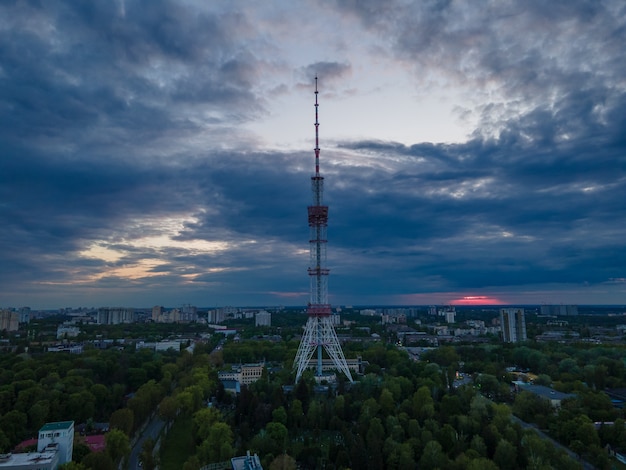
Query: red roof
x: 95, y: 443
x: 28, y: 442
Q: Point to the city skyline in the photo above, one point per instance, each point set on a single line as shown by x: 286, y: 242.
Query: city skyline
x: 160, y: 153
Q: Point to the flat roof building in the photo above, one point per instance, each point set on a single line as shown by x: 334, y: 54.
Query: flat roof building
x: 48, y: 460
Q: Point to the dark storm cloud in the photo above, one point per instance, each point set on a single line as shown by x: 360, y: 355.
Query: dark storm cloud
x: 95, y: 199
x: 331, y: 71
x: 119, y: 118
x: 79, y: 66
x: 522, y: 209
x: 92, y: 94
x: 536, y: 196
x: 535, y: 51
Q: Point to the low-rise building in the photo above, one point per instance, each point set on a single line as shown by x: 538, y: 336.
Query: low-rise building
x: 66, y: 330
x: 160, y: 345
x: 245, y: 374
x: 48, y: 460
x: 555, y: 397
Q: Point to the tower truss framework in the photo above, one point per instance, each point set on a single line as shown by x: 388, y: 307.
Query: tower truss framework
x: 319, y: 331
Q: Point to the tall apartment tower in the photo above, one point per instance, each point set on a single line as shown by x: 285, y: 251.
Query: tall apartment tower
x: 513, y: 324
x: 59, y: 435
x: 319, y: 332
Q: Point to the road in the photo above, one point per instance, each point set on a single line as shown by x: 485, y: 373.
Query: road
x: 586, y: 465
x: 152, y: 429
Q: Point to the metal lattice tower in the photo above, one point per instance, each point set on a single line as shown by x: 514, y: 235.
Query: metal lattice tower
x: 319, y: 332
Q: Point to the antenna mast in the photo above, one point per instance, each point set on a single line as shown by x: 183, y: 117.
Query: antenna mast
x: 319, y: 332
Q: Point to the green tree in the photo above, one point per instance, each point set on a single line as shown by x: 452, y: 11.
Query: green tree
x: 505, y: 455
x: 117, y: 445
x: 423, y: 405
x: 168, y: 409
x: 433, y: 457
x: 296, y: 414
x: 123, y: 420
x: 192, y: 463
x: 13, y: 424
x: 481, y: 464
x: 217, y: 447
x: 72, y: 466
x: 81, y: 406
x: 375, y: 444
x: 478, y: 445
x: 80, y: 451
x: 203, y: 421
x: 104, y: 400
x: 98, y: 461
x: 38, y: 414
x: 283, y: 462
x: 136, y: 377
x: 531, y: 408
x: 5, y: 444
x: 279, y: 415
x: 146, y: 456
x: 386, y: 402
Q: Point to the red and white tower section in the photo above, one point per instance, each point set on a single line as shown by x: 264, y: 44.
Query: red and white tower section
x: 319, y: 332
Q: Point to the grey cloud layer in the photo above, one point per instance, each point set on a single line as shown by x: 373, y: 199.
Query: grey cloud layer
x: 112, y: 113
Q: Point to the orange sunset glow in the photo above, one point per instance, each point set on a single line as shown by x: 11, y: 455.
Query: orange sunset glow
x: 477, y: 300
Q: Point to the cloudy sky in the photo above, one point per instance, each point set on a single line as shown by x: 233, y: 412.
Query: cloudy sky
x: 157, y: 152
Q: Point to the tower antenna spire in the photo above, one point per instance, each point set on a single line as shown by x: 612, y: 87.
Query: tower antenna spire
x: 319, y: 331
x: 317, y: 133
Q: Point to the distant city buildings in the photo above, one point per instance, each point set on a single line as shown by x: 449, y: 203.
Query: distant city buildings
x: 160, y: 345
x: 115, y: 315
x: 560, y: 310
x: 67, y: 330
x: 513, y: 324
x: 157, y: 313
x: 186, y: 314
x: 66, y: 348
x: 219, y: 315
x: 24, y: 315
x: 263, y: 318
x: 448, y: 313
x: 9, y: 320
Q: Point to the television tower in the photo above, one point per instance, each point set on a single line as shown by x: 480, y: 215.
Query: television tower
x: 319, y: 332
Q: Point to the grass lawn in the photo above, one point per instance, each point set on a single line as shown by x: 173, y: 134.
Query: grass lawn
x: 178, y: 445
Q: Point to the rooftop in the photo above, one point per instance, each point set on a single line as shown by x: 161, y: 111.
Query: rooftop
x: 56, y: 426
x: 27, y: 459
x: 545, y: 392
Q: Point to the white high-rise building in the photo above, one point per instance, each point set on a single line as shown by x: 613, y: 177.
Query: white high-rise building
x: 115, y: 315
x: 513, y: 324
x: 59, y: 435
x: 9, y: 320
x: 263, y: 318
